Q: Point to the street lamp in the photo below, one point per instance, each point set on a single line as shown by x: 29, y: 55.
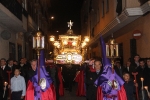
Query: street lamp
x: 52, y: 17
x: 56, y: 43
x: 52, y: 38
x: 86, y: 39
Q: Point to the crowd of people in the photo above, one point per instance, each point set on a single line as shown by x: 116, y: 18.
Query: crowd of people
x: 135, y: 73
x: 14, y: 77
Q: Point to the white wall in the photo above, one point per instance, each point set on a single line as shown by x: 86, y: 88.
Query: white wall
x: 4, y: 44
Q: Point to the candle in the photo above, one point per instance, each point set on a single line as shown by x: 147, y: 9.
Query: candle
x: 112, y: 50
x: 38, y: 42
x: 146, y: 88
x: 5, y: 84
x: 142, y: 79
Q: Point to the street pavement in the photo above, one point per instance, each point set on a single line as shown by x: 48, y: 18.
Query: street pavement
x: 71, y: 95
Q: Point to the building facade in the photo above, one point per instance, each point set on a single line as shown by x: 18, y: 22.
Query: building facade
x: 121, y: 18
x: 19, y: 19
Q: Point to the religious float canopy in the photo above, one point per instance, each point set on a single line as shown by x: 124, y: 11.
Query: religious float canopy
x: 69, y: 48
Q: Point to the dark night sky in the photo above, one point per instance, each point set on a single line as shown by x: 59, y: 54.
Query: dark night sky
x: 64, y: 11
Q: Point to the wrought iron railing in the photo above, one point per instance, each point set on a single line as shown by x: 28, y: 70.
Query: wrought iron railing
x: 15, y: 7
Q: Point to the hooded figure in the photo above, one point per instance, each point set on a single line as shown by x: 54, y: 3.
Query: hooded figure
x: 45, y: 89
x: 110, y: 85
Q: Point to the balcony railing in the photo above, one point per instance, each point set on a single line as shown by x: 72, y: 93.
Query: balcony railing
x: 15, y: 7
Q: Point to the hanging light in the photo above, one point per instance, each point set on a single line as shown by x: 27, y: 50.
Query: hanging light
x: 52, y: 38
x: 56, y: 43
x: 86, y: 39
x: 83, y: 44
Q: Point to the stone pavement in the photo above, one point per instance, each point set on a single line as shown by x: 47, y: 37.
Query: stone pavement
x: 71, y: 95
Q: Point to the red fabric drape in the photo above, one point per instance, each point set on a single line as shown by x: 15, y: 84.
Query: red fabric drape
x: 30, y: 91
x: 49, y: 94
x: 121, y: 94
x: 81, y: 88
x: 99, y: 93
x: 61, y: 87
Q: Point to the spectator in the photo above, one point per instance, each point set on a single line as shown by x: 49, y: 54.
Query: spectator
x: 18, y: 86
x: 15, y: 63
x: 91, y: 78
x: 5, y: 68
x: 141, y: 73
x: 136, y: 63
x: 147, y: 74
x: 129, y: 69
x: 118, y: 69
x: 32, y: 71
x: 129, y: 86
x: 11, y: 66
x: 1, y: 84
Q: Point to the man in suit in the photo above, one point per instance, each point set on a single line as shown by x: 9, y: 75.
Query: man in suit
x: 11, y: 66
x: 32, y: 71
x: 136, y: 63
x: 129, y: 69
x: 91, y: 78
x: 69, y: 72
x: 141, y: 69
x: 4, y: 69
x: 27, y: 63
x: 23, y: 69
x: 118, y: 69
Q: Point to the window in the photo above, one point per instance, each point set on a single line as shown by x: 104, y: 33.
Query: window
x: 12, y: 51
x: 103, y: 9
x: 19, y: 51
x: 107, y: 6
x: 98, y: 15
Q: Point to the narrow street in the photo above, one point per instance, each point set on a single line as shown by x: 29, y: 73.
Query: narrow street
x: 71, y: 95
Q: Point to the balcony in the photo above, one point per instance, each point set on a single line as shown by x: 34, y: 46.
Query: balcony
x: 13, y: 16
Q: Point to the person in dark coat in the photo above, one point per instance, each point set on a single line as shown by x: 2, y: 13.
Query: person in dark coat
x: 11, y: 66
x: 51, y: 69
x: 32, y: 71
x: 141, y: 74
x: 129, y: 69
x: 91, y: 78
x: 147, y: 74
x: 23, y: 69
x: 1, y: 84
x: 68, y: 73
x: 4, y: 69
x: 129, y: 86
x: 118, y: 69
x: 135, y: 63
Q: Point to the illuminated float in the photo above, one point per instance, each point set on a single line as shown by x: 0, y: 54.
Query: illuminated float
x: 69, y: 49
